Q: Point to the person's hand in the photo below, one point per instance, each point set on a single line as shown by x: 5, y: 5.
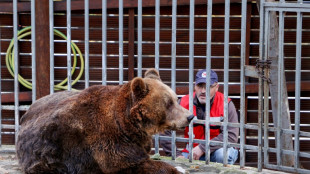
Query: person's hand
x: 197, y: 153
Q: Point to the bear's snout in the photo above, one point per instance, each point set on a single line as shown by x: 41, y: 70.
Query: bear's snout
x: 189, y: 118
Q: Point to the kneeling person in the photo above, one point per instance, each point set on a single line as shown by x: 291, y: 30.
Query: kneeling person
x: 216, y: 114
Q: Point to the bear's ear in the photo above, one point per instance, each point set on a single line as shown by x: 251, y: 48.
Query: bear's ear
x: 138, y: 87
x: 152, y: 73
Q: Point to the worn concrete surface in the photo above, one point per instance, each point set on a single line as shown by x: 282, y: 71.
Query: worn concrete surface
x: 9, y: 165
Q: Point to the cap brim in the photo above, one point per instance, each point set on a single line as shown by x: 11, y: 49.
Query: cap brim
x: 204, y: 81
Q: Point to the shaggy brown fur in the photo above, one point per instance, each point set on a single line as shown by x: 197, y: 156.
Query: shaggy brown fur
x: 102, y: 129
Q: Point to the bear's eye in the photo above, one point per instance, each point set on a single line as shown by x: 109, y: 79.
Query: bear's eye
x: 169, y: 103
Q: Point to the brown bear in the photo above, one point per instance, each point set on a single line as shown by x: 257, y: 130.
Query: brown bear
x: 102, y: 129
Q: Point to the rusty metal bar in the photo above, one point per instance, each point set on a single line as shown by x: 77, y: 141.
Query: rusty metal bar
x: 261, y: 57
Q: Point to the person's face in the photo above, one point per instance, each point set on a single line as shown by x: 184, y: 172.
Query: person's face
x: 200, y: 90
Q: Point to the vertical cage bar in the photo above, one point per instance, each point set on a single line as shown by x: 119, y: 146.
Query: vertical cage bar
x: 120, y: 39
x: 33, y: 49
x: 69, y: 45
x: 139, y: 38
x: 261, y: 55
x: 86, y: 23
x: 104, y: 42
x: 0, y: 94
x: 297, y: 88
x: 173, y: 67
x: 16, y: 84
x: 157, y: 25
x: 191, y: 74
x: 157, y: 33
x: 208, y: 68
x: 51, y: 22
x: 266, y: 92
x: 242, y: 81
x: 226, y: 79
x: 280, y: 77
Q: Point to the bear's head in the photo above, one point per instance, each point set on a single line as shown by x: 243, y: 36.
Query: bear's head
x: 155, y: 104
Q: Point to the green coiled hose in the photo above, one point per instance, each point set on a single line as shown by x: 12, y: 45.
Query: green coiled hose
x: 9, y: 59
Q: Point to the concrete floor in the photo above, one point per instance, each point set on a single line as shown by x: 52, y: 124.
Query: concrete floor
x: 9, y: 165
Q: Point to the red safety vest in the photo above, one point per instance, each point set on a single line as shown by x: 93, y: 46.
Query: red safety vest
x: 217, y: 110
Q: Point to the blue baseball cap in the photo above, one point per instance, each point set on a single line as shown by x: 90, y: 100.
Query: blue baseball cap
x: 201, y: 77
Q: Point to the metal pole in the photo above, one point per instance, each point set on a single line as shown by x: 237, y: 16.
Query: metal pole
x: 0, y: 96
x: 120, y: 38
x: 51, y: 18
x: 226, y: 79
x: 33, y: 49
x: 69, y: 44
x: 266, y: 92
x: 139, y: 38
x: 261, y: 55
x: 104, y: 42
x: 173, y: 67
x: 157, y: 31
x: 16, y: 84
x: 208, y: 67
x: 297, y: 88
x: 191, y: 73
x: 86, y: 43
x: 280, y: 75
x: 242, y: 81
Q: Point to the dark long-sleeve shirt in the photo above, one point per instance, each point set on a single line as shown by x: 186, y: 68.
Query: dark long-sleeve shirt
x: 233, y: 132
